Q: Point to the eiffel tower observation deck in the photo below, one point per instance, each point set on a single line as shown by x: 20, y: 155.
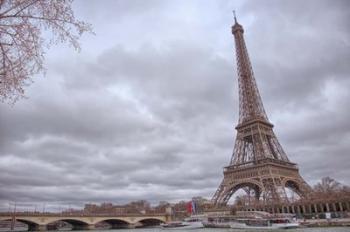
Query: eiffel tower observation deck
x: 259, y: 165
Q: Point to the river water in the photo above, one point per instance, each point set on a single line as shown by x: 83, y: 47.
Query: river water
x: 328, y: 229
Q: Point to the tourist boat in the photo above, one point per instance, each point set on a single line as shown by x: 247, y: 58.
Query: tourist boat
x: 263, y: 220
x: 187, y: 224
x: 253, y: 220
x: 264, y: 223
x: 222, y: 221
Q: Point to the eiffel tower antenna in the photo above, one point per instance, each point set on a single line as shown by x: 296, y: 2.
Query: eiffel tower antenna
x: 258, y: 161
x: 234, y: 15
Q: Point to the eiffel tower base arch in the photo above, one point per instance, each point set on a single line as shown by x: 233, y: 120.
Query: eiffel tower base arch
x: 267, y: 180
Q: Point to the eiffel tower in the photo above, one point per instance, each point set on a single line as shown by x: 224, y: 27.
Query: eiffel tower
x: 259, y: 164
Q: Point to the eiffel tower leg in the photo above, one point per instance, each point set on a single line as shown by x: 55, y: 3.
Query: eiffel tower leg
x: 218, y: 194
x: 298, y: 185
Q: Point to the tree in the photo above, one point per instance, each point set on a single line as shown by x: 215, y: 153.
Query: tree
x: 22, y: 24
x: 242, y: 200
x: 327, y: 186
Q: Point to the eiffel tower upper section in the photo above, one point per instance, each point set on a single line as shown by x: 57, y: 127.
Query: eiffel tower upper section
x: 250, y: 103
x: 261, y: 140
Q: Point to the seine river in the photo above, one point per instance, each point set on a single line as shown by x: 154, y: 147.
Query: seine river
x: 335, y: 229
x: 328, y: 229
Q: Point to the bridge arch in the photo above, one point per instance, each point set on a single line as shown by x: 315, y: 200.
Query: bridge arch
x: 115, y: 223
x: 74, y: 222
x: 81, y: 221
x: 150, y: 221
x: 32, y: 225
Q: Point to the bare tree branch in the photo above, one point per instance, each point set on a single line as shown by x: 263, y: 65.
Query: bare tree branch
x: 21, y: 42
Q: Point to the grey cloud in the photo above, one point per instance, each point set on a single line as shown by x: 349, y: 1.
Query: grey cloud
x: 152, y: 117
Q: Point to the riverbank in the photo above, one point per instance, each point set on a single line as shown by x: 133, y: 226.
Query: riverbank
x: 335, y: 222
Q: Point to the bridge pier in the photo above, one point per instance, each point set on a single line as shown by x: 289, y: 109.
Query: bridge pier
x: 131, y: 226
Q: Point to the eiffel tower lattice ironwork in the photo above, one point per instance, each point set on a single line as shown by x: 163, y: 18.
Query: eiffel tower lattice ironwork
x: 259, y: 164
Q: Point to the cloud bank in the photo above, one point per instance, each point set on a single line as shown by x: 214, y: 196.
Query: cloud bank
x: 147, y: 110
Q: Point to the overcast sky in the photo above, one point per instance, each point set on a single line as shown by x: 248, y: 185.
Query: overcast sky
x: 147, y: 109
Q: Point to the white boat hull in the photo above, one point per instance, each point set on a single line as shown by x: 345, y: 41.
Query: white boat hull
x: 270, y: 227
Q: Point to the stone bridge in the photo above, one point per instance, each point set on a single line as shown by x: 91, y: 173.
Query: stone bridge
x: 85, y: 222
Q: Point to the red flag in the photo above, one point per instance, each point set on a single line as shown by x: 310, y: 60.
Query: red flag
x: 189, y: 207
